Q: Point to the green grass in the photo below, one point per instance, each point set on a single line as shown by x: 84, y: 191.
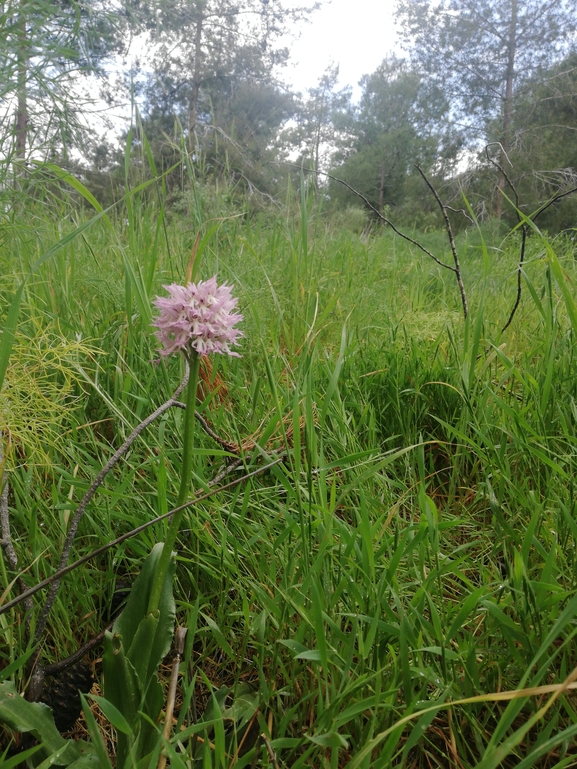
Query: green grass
x: 416, y: 548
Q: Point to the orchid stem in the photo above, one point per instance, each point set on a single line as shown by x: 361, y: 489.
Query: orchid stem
x: 189, y: 421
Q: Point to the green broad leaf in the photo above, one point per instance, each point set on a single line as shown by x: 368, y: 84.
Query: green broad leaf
x: 311, y: 654
x: 294, y: 646
x: 55, y: 759
x: 148, y: 739
x: 329, y: 740
x: 122, y: 686
x: 112, y: 714
x: 146, y: 650
x: 286, y: 742
x: 17, y: 664
x: 89, y: 761
x: 244, y: 704
x: 35, y: 717
x: 136, y: 610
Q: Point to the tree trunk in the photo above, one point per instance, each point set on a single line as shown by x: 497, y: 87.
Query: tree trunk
x: 316, y: 156
x: 507, y: 105
x: 22, y: 88
x: 321, y: 118
x: 196, y: 80
x: 382, y: 190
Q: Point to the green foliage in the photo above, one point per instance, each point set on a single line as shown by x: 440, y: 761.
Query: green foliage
x: 465, y: 50
x: 414, y: 555
x: 214, y: 89
x: 319, y: 119
x: 134, y: 649
x: 34, y: 717
x: 491, y: 60
x: 46, y: 47
x: 390, y: 131
x: 542, y: 156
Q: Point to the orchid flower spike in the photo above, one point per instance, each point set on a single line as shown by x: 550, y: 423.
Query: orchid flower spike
x: 198, y: 318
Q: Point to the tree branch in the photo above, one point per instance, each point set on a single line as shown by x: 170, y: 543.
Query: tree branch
x: 119, y: 540
x: 456, y: 269
x: 523, y: 230
x: 6, y: 540
x: 71, y: 533
x: 449, y: 230
x: 553, y: 200
x: 382, y: 217
x: 523, y: 225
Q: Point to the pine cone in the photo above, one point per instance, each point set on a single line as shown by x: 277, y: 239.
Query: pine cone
x: 62, y: 694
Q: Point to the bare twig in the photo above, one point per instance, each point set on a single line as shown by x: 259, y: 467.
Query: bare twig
x: 383, y: 218
x: 522, y: 223
x: 71, y: 533
x: 270, y: 751
x: 460, y: 211
x: 57, y: 667
x: 179, y: 638
x: 6, y: 540
x: 449, y: 229
x: 456, y: 269
x: 553, y: 200
x: 523, y: 230
x: 200, y: 498
x: 227, y: 445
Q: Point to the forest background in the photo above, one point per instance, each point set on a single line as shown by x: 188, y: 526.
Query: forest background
x: 397, y: 583
x: 211, y: 75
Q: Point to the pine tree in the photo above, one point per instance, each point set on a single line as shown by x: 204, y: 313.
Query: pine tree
x: 44, y: 46
x: 391, y: 129
x: 205, y: 49
x: 483, y: 53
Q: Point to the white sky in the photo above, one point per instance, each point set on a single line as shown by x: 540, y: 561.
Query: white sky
x: 357, y: 34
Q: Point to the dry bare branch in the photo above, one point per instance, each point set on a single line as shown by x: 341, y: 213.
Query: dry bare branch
x: 521, y: 262
x: 200, y: 498
x: 449, y: 230
x: 71, y: 533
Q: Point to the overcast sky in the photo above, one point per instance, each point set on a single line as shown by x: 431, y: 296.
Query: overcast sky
x: 356, y: 34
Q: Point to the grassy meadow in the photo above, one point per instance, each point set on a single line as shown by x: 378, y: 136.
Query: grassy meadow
x: 380, y: 596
